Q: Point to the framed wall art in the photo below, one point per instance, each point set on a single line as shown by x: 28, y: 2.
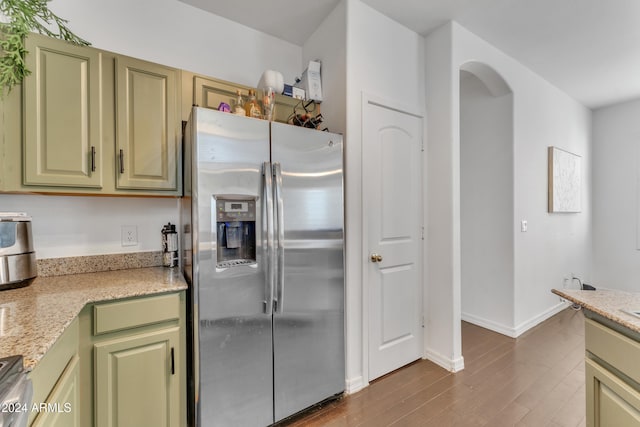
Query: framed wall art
x: 565, y: 181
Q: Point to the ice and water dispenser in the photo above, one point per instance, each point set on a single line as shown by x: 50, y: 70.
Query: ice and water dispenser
x: 236, y: 230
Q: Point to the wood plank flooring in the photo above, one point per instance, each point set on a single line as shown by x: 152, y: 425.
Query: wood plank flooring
x: 535, y: 380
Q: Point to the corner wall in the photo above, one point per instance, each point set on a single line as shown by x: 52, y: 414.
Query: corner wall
x: 555, y: 244
x: 616, y: 195
x: 486, y: 204
x: 385, y: 60
x: 328, y: 44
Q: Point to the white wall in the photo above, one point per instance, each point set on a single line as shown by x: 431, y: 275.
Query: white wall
x: 328, y: 44
x: 616, y: 185
x: 65, y: 226
x: 555, y: 244
x: 173, y: 33
x: 442, y: 300
x: 167, y: 32
x: 486, y: 204
x: 385, y: 60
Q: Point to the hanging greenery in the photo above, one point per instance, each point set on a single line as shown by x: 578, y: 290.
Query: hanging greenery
x: 23, y: 17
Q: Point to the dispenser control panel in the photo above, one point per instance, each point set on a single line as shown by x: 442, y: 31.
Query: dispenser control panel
x: 235, y: 218
x: 235, y: 210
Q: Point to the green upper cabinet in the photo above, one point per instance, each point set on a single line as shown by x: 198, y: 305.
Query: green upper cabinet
x: 147, y: 126
x: 89, y: 121
x: 62, y: 120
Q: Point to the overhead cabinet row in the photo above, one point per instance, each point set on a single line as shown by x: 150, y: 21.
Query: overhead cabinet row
x: 89, y: 121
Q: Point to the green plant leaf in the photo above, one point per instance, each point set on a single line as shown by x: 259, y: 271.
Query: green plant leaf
x: 26, y: 16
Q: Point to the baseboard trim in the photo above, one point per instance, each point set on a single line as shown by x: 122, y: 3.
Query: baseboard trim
x: 534, y: 321
x: 518, y: 330
x: 354, y: 385
x: 451, y: 365
x: 489, y: 324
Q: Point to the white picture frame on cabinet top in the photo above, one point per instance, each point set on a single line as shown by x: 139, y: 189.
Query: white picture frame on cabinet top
x: 565, y: 181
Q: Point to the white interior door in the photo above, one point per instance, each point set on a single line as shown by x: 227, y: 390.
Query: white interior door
x: 392, y: 201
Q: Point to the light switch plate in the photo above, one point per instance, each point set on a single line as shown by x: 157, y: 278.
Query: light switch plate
x: 524, y: 226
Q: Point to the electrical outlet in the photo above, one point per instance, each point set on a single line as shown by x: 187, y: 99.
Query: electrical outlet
x: 129, y: 235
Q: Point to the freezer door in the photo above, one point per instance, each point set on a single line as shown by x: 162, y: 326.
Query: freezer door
x: 308, y: 319
x: 234, y: 325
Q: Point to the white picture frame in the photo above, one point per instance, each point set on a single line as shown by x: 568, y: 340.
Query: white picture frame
x: 565, y: 181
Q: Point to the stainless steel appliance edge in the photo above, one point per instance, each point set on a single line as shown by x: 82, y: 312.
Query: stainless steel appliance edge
x: 262, y: 232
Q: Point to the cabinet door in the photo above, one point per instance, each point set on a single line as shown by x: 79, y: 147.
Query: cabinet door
x: 209, y: 93
x: 62, y: 129
x: 63, y: 408
x: 610, y: 400
x: 147, y: 131
x: 137, y: 380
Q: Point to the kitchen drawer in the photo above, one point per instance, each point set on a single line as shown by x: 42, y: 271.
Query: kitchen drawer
x: 613, y: 348
x: 116, y: 316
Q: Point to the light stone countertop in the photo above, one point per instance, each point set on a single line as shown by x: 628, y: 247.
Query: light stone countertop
x: 32, y: 318
x: 608, y: 303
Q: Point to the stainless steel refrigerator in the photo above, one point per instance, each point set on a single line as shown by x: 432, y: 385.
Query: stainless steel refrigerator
x: 263, y: 239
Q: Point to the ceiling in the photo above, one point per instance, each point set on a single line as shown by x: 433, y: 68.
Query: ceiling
x: 284, y: 19
x: 588, y: 48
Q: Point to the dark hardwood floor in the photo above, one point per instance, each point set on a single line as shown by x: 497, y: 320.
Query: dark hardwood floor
x: 535, y: 380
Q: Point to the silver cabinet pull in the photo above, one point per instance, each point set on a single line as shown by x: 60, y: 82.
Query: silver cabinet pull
x: 121, y: 160
x: 93, y: 158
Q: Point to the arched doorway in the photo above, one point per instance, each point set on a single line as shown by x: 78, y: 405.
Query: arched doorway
x: 486, y: 198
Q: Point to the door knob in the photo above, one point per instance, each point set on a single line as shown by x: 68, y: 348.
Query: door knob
x: 376, y: 258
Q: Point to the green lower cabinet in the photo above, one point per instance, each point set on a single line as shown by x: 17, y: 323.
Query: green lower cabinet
x: 612, y: 375
x: 119, y: 363
x: 137, y: 382
x: 135, y: 374
x: 63, y: 408
x: 610, y: 400
x: 56, y: 384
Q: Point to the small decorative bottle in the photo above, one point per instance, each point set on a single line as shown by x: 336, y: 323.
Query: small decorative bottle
x: 252, y: 107
x: 237, y: 108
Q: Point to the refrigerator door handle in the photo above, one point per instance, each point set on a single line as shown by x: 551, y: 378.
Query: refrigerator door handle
x: 269, y: 248
x: 277, y: 172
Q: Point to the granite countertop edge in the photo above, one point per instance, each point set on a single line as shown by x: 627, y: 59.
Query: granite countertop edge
x: 32, y: 318
x: 609, y: 303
